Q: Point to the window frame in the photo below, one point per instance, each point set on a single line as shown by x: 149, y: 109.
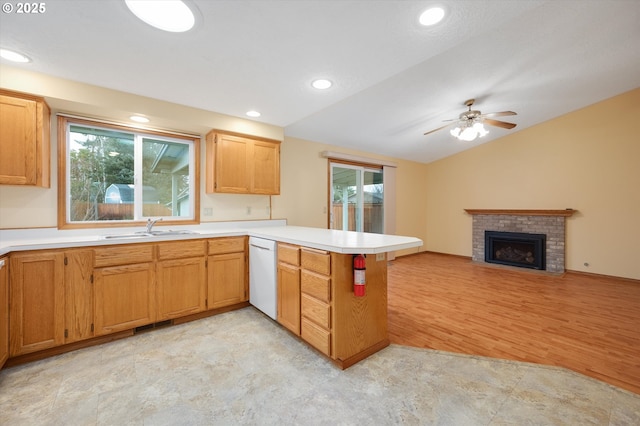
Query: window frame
x: 360, y: 167
x: 63, y: 164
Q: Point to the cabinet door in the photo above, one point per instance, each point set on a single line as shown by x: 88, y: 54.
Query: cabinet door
x: 37, y: 302
x: 124, y: 297
x: 227, y: 280
x: 265, y: 168
x: 78, y: 295
x: 289, y: 297
x: 4, y: 311
x: 181, y: 287
x: 24, y: 140
x: 231, y: 168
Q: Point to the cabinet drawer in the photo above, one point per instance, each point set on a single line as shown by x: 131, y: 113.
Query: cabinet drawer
x: 123, y: 254
x: 226, y: 245
x: 289, y: 254
x: 318, y: 286
x: 315, y: 310
x: 316, y: 336
x: 316, y: 260
x: 181, y: 249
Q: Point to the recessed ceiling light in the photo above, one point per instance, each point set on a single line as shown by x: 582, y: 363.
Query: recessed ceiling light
x: 168, y: 15
x: 139, y: 119
x: 253, y: 114
x: 322, y: 84
x: 432, y: 16
x: 10, y: 55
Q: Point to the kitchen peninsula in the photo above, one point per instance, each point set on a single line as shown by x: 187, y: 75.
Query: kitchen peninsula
x: 206, y: 270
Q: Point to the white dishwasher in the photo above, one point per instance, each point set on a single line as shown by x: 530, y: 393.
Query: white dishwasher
x: 263, y: 275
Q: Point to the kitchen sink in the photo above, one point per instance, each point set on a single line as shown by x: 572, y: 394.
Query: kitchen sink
x: 171, y: 232
x: 124, y: 236
x: 143, y: 234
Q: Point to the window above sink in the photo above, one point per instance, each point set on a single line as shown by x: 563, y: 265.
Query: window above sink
x: 114, y: 175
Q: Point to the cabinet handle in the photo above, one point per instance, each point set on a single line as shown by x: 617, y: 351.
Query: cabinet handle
x: 1, y: 263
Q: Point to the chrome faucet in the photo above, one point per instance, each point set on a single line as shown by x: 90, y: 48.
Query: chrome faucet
x: 150, y: 224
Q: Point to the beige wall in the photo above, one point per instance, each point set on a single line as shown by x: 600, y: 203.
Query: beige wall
x: 588, y: 160
x: 27, y: 207
x: 303, y: 200
x: 304, y: 189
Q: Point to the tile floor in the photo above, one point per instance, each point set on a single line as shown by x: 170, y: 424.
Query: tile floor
x: 242, y: 368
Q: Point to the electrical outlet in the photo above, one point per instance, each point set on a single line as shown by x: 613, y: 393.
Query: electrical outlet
x: 208, y: 211
x: 248, y: 210
x: 380, y: 257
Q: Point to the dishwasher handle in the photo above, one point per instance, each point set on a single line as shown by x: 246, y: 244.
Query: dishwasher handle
x: 260, y: 247
x: 262, y: 243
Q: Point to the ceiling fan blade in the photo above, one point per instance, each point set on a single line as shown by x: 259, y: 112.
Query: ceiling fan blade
x: 499, y: 114
x: 439, y: 128
x: 497, y: 123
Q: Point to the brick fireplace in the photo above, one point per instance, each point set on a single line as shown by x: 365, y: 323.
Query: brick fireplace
x: 548, y: 222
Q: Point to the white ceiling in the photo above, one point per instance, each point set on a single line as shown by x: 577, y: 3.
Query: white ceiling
x: 394, y: 79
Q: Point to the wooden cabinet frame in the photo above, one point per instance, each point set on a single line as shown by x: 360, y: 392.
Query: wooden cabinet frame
x: 242, y: 164
x: 4, y: 310
x: 317, y: 303
x: 24, y: 140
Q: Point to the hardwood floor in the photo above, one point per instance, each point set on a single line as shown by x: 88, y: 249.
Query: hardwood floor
x: 589, y: 324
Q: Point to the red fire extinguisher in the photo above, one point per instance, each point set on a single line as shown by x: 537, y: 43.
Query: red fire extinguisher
x: 359, y: 275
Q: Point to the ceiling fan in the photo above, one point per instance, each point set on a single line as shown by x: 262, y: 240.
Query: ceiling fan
x: 470, y: 123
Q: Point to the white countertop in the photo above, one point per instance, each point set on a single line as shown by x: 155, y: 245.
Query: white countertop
x: 346, y: 242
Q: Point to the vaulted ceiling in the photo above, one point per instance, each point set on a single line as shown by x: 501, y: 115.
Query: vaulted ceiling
x: 393, y: 78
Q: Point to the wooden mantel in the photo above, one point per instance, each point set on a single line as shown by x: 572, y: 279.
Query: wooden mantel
x: 565, y: 212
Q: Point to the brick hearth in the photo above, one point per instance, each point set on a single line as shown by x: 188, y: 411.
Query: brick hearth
x: 549, y: 222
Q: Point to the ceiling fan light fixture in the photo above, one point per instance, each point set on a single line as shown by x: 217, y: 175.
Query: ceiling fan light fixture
x: 469, y: 132
x: 479, y: 128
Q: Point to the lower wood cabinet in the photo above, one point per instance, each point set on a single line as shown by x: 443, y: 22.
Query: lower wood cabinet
x: 4, y: 310
x: 78, y: 295
x: 124, y: 287
x: 289, y: 287
x: 227, y: 272
x: 37, y: 301
x: 181, y: 279
x: 124, y: 297
x: 61, y: 297
x: 227, y: 281
x: 315, y: 306
x: 181, y: 288
x: 316, y: 301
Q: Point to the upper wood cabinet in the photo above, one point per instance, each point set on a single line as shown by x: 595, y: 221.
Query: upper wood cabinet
x: 241, y: 164
x: 24, y: 140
